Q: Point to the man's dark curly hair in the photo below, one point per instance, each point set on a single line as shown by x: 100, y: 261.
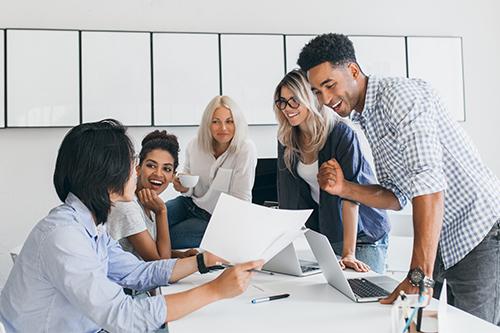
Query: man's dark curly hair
x: 337, y: 49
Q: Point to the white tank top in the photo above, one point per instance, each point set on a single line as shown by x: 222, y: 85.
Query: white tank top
x: 309, y: 173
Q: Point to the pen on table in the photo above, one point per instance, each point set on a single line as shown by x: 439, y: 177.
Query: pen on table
x: 404, y: 303
x: 421, y: 290
x: 252, y: 270
x: 420, y: 303
x: 269, y: 298
x: 410, y: 320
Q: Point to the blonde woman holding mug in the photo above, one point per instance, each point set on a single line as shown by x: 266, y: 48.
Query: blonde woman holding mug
x: 224, y: 159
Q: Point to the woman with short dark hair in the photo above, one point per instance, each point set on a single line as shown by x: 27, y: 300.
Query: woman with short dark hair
x: 70, y: 274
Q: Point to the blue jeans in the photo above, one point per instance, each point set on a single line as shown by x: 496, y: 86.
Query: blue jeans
x: 187, y: 222
x: 372, y: 254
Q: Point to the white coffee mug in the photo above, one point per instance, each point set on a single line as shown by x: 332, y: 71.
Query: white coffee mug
x: 188, y: 180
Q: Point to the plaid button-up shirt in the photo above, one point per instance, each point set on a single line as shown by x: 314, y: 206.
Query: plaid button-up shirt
x: 419, y: 149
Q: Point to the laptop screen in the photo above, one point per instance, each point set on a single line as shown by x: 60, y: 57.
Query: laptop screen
x: 265, y: 186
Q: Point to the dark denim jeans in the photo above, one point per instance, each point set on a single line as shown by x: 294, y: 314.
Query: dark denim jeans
x: 372, y: 254
x: 474, y: 282
x: 187, y: 222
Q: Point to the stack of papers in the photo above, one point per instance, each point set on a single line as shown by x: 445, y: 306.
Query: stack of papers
x: 241, y: 231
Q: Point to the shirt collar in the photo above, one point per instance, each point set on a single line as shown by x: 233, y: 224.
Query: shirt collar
x: 84, y: 215
x: 370, y: 101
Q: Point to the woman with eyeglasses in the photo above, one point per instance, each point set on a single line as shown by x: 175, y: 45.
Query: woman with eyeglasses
x: 224, y: 159
x: 309, y: 135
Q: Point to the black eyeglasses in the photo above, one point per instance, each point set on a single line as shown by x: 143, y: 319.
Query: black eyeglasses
x: 281, y: 103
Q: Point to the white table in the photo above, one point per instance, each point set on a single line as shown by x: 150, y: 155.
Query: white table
x: 314, y: 306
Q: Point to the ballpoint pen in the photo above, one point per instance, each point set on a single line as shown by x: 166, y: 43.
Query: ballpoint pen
x: 269, y: 298
x: 421, y: 291
x: 251, y: 270
x: 421, y: 299
x: 404, y: 304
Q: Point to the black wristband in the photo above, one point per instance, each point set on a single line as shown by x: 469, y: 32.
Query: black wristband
x: 201, y: 264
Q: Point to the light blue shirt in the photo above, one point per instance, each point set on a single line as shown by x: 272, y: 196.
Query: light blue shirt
x: 69, y: 278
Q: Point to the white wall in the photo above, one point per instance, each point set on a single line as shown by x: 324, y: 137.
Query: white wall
x: 28, y: 155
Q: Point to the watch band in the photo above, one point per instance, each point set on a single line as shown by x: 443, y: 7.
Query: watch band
x: 201, y: 264
x: 428, y: 282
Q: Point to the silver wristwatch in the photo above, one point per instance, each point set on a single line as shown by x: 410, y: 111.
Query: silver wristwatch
x: 416, y: 276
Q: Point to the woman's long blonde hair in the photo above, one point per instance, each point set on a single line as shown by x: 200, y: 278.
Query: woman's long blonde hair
x: 319, y: 121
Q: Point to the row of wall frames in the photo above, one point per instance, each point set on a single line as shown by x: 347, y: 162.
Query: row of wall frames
x: 61, y: 78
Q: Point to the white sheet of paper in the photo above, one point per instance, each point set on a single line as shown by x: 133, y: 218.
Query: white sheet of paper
x: 241, y: 231
x: 443, y: 310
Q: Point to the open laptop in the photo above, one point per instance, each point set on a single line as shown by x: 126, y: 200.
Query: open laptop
x: 287, y: 262
x: 367, y: 289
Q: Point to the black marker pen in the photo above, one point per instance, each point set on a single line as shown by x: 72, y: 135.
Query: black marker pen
x: 269, y: 298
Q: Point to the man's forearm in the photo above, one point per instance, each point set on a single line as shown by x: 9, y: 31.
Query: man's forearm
x: 185, y: 302
x: 371, y: 195
x: 350, y: 227
x: 427, y: 222
x: 183, y: 267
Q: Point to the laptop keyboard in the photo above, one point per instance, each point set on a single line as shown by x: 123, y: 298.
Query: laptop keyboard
x: 308, y: 266
x: 306, y: 269
x: 364, y: 288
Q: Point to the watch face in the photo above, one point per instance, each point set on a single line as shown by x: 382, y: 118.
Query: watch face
x: 416, y: 275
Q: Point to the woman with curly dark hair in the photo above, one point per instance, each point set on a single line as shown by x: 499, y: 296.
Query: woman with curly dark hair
x: 70, y: 274
x: 140, y: 225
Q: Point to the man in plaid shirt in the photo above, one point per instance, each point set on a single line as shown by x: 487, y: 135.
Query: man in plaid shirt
x: 421, y: 155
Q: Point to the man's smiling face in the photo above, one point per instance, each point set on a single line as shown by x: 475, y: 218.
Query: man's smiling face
x: 337, y: 86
